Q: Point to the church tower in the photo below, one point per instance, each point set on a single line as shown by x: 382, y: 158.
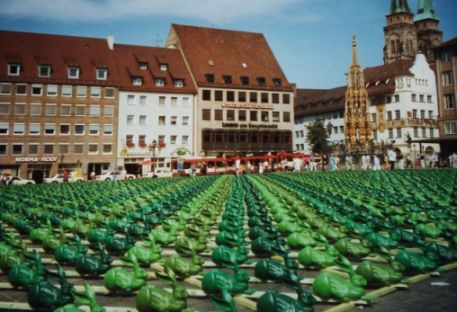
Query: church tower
x: 427, y: 28
x: 400, y: 33
x: 357, y: 124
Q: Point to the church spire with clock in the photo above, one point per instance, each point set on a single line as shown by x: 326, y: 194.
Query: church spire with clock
x: 357, y: 124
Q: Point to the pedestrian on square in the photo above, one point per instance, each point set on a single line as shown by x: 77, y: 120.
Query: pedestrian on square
x: 422, y: 161
x: 453, y: 161
x: 392, y: 157
x: 349, y: 164
x: 376, y: 163
x: 92, y: 175
x: 65, y: 176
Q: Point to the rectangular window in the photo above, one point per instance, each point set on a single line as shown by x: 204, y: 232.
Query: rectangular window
x: 414, y: 113
x: 102, y: 73
x: 421, y: 98
x: 142, y: 120
x: 37, y: 89
x: 162, y: 120
x: 449, y: 101
x: 95, y: 92
x: 275, y: 117
x: 21, y: 89
x: 173, y: 120
x: 413, y: 97
x: 432, y: 133
x: 94, y: 129
x: 178, y: 83
x: 185, y: 139
x: 227, y: 79
x: 286, y: 98
x: 264, y: 97
x: 422, y: 114
x: 4, y: 128
x: 35, y: 109
x: 389, y: 115
x: 174, y: 101
x: 34, y: 129
x: 185, y: 120
x: 108, y: 129
x: 63, y: 149
x: 275, y: 98
x: 373, y: 117
x: 253, y: 97
x: 261, y: 81
x: 230, y: 96
x: 230, y: 115
x: 265, y: 116
x: 399, y: 133
x: 397, y: 98
x: 5, y: 88
x: 109, y: 93
x: 241, y: 115
x: 78, y: 149
x: 81, y: 91
x: 52, y: 90
x: 206, y: 114
x: 253, y: 115
x: 143, y: 100
x: 67, y: 91
x: 107, y: 148
x: 416, y: 132
x: 50, y: 109
x: 64, y: 129
x: 130, y: 119
x: 447, y: 78
x: 218, y: 114
x: 397, y: 114
x: 108, y: 111
x: 206, y: 95
x: 218, y: 95
x: 93, y: 148
x: 3, y: 149
x: 335, y: 130
x: 429, y: 99
x: 430, y: 114
x: 17, y: 149
x: 33, y: 149
x: 450, y: 127
x: 388, y: 99
x: 161, y: 100
x: 185, y: 102
x: 14, y: 69
x: 65, y: 110
x: 277, y: 82
x: 73, y: 72
x: 44, y: 71
x: 48, y: 149
x: 95, y: 110
x: 241, y: 96
x: 375, y: 135
x: 163, y: 67
x: 79, y: 129
x: 424, y: 132
x: 286, y: 116
x: 391, y: 133
x: 49, y: 129
x: 159, y: 82
x: 80, y: 110
x: 19, y: 109
x: 173, y: 139
x: 142, y: 140
x: 244, y: 80
x: 4, y: 109
x: 130, y: 99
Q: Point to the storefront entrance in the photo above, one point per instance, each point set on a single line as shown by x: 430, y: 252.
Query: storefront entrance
x: 38, y: 172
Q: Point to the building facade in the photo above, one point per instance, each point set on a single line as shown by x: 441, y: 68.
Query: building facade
x: 58, y: 104
x: 156, y: 104
x: 245, y: 103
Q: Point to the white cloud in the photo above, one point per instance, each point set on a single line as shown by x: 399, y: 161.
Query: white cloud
x: 214, y: 11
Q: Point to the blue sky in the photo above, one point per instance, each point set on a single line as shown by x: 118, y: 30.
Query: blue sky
x: 310, y: 38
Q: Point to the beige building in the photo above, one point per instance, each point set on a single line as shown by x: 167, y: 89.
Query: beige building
x: 245, y: 103
x: 58, y: 104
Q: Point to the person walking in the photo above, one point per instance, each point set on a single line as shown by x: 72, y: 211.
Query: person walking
x: 376, y: 163
x: 392, y: 157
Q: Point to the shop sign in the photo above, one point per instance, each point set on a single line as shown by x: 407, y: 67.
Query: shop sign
x: 247, y: 106
x: 249, y: 126
x: 36, y: 159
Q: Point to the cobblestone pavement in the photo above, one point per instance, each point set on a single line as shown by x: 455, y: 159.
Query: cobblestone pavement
x: 421, y: 297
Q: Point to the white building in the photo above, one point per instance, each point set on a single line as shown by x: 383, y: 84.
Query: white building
x: 156, y: 105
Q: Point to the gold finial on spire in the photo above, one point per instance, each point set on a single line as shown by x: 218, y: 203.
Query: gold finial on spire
x: 354, y: 50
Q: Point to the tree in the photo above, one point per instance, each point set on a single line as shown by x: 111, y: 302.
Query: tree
x: 317, y: 137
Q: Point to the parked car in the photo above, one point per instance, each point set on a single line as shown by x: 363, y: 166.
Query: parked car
x: 114, y: 175
x: 19, y: 181
x: 58, y: 178
x: 160, y: 173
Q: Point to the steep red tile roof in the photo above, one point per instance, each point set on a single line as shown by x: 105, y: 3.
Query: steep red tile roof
x: 31, y: 50
x: 129, y: 57
x: 225, y: 52
x: 381, y: 79
x: 317, y: 101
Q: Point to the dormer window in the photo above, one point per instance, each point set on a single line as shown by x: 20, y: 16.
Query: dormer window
x: 277, y: 82
x: 102, y: 73
x: 261, y: 81
x: 143, y: 65
x: 209, y: 78
x: 160, y: 82
x: 73, y: 72
x: 227, y: 79
x: 14, y: 69
x: 137, y: 81
x: 163, y: 67
x: 44, y: 71
x: 178, y: 83
x: 244, y: 80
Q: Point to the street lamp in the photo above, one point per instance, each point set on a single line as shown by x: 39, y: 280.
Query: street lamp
x: 152, y: 150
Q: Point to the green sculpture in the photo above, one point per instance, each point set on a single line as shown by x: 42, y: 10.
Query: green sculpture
x: 273, y: 301
x: 163, y: 237
x: 414, y: 263
x: 380, y: 274
x: 330, y: 286
x: 184, y: 267
x: 188, y: 247
x: 229, y: 239
x: 96, y: 235
x: 67, y: 254
x: 267, y: 269
x: 153, y: 298
x: 310, y: 257
x: 29, y: 273
x: 118, y: 244
x: 91, y: 265
x: 439, y: 253
x: 119, y: 279
x: 229, y: 258
x: 352, y: 249
x: 86, y: 298
x: 300, y: 240
x: 428, y: 230
x: 220, y: 286
x: 146, y: 255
